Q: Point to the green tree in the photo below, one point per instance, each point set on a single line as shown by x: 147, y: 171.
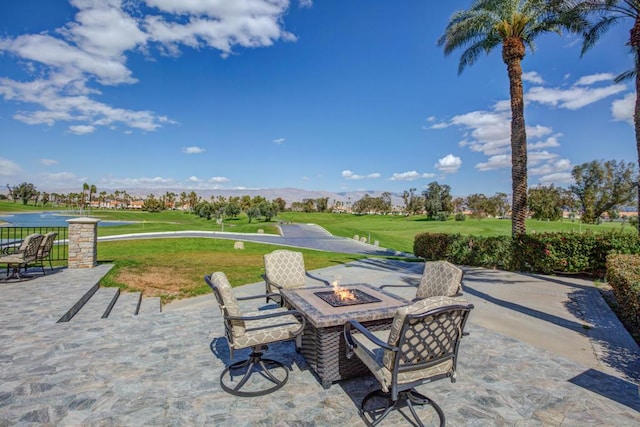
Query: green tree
x: 610, y: 13
x: 152, y: 204
x: 437, y: 199
x: 25, y: 192
x: 546, y: 203
x: 253, y: 212
x: 514, y: 24
x: 602, y: 186
x: 477, y: 204
x: 413, y: 203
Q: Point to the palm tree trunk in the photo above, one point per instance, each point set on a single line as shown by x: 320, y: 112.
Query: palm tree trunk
x: 634, y: 41
x: 513, y: 50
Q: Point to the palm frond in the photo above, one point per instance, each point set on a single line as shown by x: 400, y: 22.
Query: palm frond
x: 598, y: 29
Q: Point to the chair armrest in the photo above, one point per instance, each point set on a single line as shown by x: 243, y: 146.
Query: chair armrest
x: 325, y: 282
x: 257, y: 296
x: 294, y: 313
x: 365, y: 332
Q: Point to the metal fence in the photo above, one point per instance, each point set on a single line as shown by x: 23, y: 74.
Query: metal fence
x: 13, y: 236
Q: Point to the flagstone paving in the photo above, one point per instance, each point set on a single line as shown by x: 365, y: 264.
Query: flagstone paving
x: 163, y: 368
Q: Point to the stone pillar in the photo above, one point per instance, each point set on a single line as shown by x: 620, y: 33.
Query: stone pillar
x: 83, y: 242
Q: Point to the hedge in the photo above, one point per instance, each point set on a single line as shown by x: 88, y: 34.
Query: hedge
x: 544, y: 253
x: 623, y: 275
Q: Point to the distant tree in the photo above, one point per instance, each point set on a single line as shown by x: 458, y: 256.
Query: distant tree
x: 152, y: 204
x: 25, y: 192
x: 322, y: 204
x: 253, y: 212
x: 282, y: 204
x: 413, y: 203
x: 193, y: 199
x: 458, y: 204
x: 268, y: 210
x: 546, y: 203
x: 232, y: 209
x: 437, y: 199
x: 477, y: 204
x: 602, y: 186
x: 45, y: 197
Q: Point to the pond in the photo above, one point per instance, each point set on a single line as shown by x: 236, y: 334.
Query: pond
x: 44, y: 219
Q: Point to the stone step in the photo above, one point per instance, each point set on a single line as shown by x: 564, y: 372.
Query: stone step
x: 150, y: 305
x: 99, y: 305
x: 127, y: 305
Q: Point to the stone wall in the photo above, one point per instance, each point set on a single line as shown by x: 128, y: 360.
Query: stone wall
x: 83, y: 242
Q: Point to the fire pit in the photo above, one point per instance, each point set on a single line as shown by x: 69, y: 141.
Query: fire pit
x: 346, y: 298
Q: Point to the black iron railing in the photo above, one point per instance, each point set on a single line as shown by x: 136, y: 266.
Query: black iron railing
x: 11, y: 237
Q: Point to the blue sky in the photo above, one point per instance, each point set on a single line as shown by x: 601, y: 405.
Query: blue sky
x: 318, y: 95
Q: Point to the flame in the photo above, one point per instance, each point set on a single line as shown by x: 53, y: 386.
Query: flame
x: 343, y: 294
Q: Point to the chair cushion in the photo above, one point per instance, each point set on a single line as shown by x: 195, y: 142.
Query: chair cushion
x: 439, y: 278
x: 219, y: 279
x: 265, y: 331
x: 421, y: 306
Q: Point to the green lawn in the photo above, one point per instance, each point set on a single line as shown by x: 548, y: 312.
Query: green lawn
x: 174, y: 268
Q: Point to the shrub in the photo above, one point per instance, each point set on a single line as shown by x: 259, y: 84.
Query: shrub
x: 623, y: 274
x: 545, y: 253
x: 460, y: 217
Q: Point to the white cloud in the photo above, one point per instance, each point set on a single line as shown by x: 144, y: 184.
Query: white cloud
x: 61, y: 177
x: 441, y: 125
x: 623, y: 109
x: 47, y: 162
x: 595, y: 78
x: 194, y: 179
x: 410, y: 176
x: 82, y: 129
x: 550, y: 142
x: 218, y: 179
x: 193, y: 150
x: 278, y: 141
x: 305, y: 3
x: 449, y: 164
x: 9, y: 168
x: 495, y: 162
x: 574, y: 97
x: 72, y: 62
x: 551, y: 167
x: 559, y: 178
x: 532, y: 77
x: 347, y: 174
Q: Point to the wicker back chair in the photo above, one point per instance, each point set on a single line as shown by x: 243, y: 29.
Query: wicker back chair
x: 253, y: 330
x: 25, y: 255
x: 440, y: 278
x: 284, y: 269
x: 421, y: 347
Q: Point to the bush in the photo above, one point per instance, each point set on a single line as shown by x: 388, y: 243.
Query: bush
x: 460, y: 217
x: 623, y: 275
x: 545, y: 253
x: 489, y: 252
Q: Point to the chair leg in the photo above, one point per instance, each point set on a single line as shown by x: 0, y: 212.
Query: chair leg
x: 410, y: 398
x: 255, y: 364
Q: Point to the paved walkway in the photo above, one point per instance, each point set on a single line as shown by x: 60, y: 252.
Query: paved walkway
x: 542, y: 351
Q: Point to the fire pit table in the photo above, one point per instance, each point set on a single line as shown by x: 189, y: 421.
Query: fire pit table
x: 323, y: 344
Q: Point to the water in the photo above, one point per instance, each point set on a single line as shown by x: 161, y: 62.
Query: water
x: 44, y: 219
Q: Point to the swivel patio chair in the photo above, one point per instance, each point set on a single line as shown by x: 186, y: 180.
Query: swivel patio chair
x: 25, y: 255
x: 44, y: 250
x: 284, y: 269
x: 253, y: 330
x: 421, y: 347
x: 440, y: 278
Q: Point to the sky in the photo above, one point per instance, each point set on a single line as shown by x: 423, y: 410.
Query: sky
x: 336, y: 96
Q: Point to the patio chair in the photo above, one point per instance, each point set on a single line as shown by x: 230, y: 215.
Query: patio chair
x: 284, y: 269
x: 25, y: 255
x: 440, y: 278
x: 253, y: 330
x: 421, y: 347
x: 44, y: 250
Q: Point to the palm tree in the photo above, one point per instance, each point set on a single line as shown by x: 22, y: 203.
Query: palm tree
x: 514, y: 24
x: 611, y: 12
